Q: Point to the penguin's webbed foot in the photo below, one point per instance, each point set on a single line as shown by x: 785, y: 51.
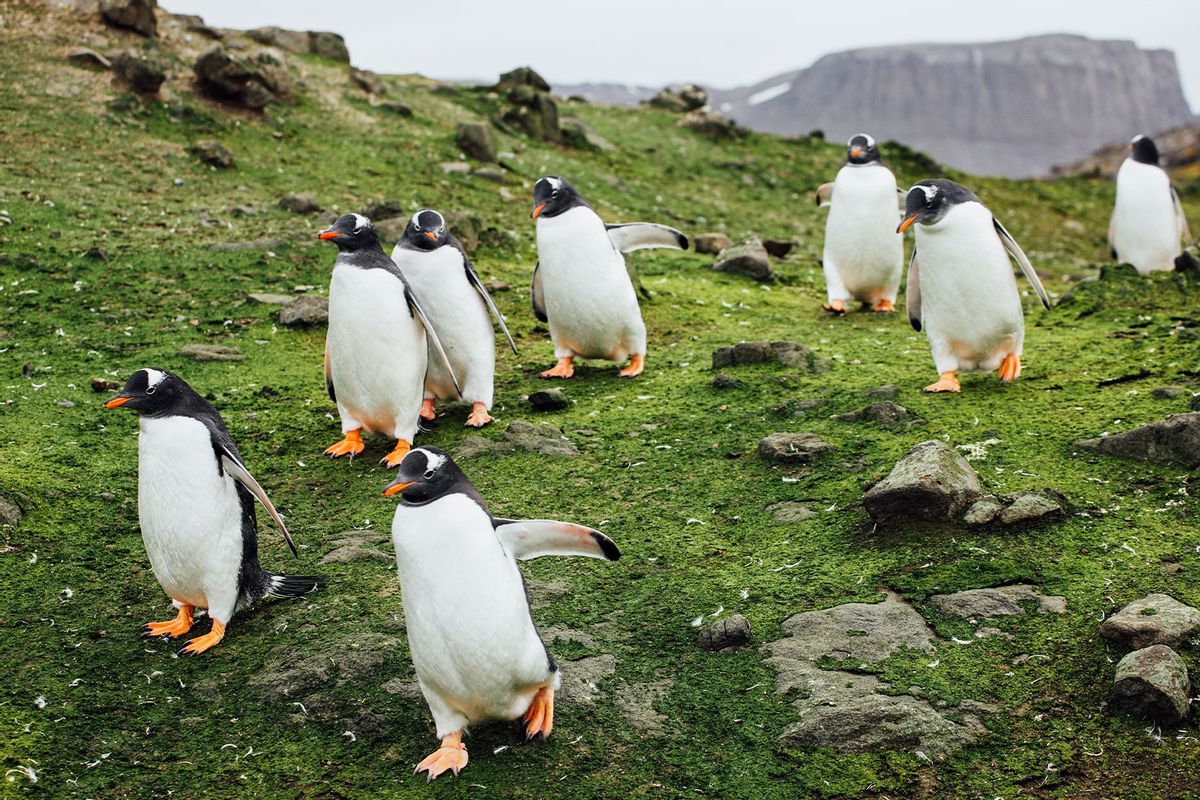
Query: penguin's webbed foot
x: 837, y: 307
x: 196, y: 646
x: 450, y: 757
x: 1010, y: 368
x: 427, y: 409
x: 398, y: 453
x: 884, y: 306
x: 637, y: 363
x: 479, y: 416
x: 565, y: 368
x: 176, y: 627
x: 539, y: 717
x: 352, y: 445
x: 946, y: 383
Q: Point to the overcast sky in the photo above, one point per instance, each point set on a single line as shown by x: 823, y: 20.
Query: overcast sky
x: 714, y: 42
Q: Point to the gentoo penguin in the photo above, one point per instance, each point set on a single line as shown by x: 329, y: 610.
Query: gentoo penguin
x: 375, y: 350
x: 196, y: 508
x: 863, y: 255
x: 477, y: 653
x: 1147, y: 223
x: 961, y: 287
x: 580, y: 285
x: 457, y: 303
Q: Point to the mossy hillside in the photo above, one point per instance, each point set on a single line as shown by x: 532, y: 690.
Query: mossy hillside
x: 667, y: 464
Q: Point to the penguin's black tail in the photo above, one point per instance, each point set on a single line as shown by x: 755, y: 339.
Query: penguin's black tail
x: 292, y: 585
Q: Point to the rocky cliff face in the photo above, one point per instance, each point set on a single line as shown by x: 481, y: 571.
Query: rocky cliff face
x: 1009, y: 108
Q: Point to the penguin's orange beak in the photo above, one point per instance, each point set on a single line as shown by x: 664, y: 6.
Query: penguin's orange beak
x: 329, y: 235
x: 397, y: 487
x: 117, y: 401
x: 856, y: 152
x: 906, y: 224
x: 431, y: 235
x: 536, y: 210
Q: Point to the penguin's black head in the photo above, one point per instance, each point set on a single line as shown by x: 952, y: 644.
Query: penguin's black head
x: 426, y: 474
x: 351, y: 232
x: 426, y: 230
x: 861, y: 149
x: 928, y: 201
x: 151, y: 391
x: 1143, y: 150
x: 552, y: 196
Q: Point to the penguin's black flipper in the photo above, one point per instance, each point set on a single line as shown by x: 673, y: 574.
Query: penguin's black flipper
x: 329, y: 374
x: 630, y: 236
x: 473, y: 279
x: 1014, y: 250
x: 234, y: 467
x: 533, y: 538
x: 535, y: 295
x: 415, y: 308
x: 824, y: 194
x: 912, y: 293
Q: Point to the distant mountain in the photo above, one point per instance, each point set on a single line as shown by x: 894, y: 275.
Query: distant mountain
x: 1008, y: 108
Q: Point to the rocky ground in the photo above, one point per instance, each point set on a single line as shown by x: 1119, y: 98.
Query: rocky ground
x: 833, y: 585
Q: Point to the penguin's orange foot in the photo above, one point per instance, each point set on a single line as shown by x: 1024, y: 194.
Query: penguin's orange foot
x: 176, y: 627
x: 427, y: 412
x: 539, y: 717
x: 1010, y: 368
x: 835, y: 307
x: 637, y: 363
x: 398, y: 453
x: 946, y: 383
x: 206, y: 642
x: 565, y: 368
x: 450, y: 757
x: 884, y: 306
x: 479, y: 416
x: 352, y: 445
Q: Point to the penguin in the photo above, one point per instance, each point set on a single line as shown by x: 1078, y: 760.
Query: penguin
x: 1147, y: 224
x: 580, y: 284
x: 961, y: 288
x: 196, y: 509
x: 864, y: 256
x: 375, y: 350
x: 476, y: 651
x: 437, y: 267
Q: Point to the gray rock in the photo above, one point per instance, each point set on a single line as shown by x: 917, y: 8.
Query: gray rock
x: 548, y: 400
x: 779, y: 248
x: 1155, y: 619
x: 544, y: 439
x: 636, y: 704
x: 135, y: 15
x: 792, y: 448
x: 1195, y: 404
x: 688, y: 97
x: 64, y: 403
x: 455, y: 167
x: 105, y: 385
x: 97, y: 253
x: 399, y: 109
x: 1168, y: 392
x: 390, y: 230
x: 522, y: 76
x: 328, y: 45
x: 1000, y: 601
x: 140, y: 73
x: 732, y: 631
x: 300, y: 204
x: 490, y: 173
x: 797, y: 408
x: 243, y: 211
x: 270, y: 299
x: 295, y: 676
x: 742, y: 353
x: 86, y: 57
x: 798, y: 356
x: 713, y: 243
x: 707, y: 122
x: 886, y: 392
x: 366, y: 80
x: 983, y: 511
x: 578, y: 134
x: 885, y: 412
x: 10, y: 513
x: 474, y: 139
x: 533, y: 112
x: 748, y: 258
x: 723, y: 381
x: 211, y: 352
x: 237, y: 80
x: 855, y: 631
x: 789, y: 512
x: 1032, y: 507
x: 292, y: 41
x: 1153, y: 684
x: 305, y: 310
x: 213, y: 153
x: 1174, y: 440
x: 581, y: 679
x: 932, y: 482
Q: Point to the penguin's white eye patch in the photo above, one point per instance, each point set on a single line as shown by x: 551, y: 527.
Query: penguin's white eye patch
x: 153, y: 378
x: 930, y: 192
x: 360, y: 222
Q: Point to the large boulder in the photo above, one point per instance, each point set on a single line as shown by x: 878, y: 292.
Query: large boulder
x: 684, y: 98
x: 10, y: 512
x: 748, y: 258
x: 137, y: 71
x: 932, y: 482
x: 578, y: 134
x: 1152, y: 684
x: 999, y: 601
x: 1174, y: 440
x: 134, y: 15
x: 367, y: 80
x: 292, y: 41
x: 522, y: 76
x: 235, y: 79
x: 533, y: 112
x: 1155, y: 619
x: 475, y: 141
x: 328, y: 45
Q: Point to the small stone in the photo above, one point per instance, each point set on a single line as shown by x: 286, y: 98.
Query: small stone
x: 778, y: 247
x: 748, y: 258
x: 305, y: 310
x: 1168, y: 392
x: 931, y: 482
x: 10, y: 513
x: 474, y: 139
x: 270, y: 299
x: 1154, y: 619
x: 104, y: 385
x: 243, y: 211
x: 1030, y: 507
x: 983, y: 511
x: 884, y: 412
x: 211, y: 352
x: 1000, y: 601
x: 86, y: 57
x: 133, y: 69
x: 885, y: 392
x: 97, y: 253
x: 792, y: 448
x: 136, y: 15
x: 723, y: 381
x: 1174, y: 440
x: 713, y: 243
x: 548, y: 400
x: 496, y: 286
x: 798, y: 407
x: 366, y: 80
x: 732, y: 631
x: 578, y: 134
x: 490, y: 173
x: 399, y: 109
x: 64, y: 403
x: 1152, y: 684
x: 543, y: 439
x: 789, y: 512
x: 213, y: 153
x: 455, y: 167
x: 707, y: 122
x: 742, y: 353
x: 300, y: 204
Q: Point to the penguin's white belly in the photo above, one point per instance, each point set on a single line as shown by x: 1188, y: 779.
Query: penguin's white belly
x: 459, y: 318
x: 376, y: 351
x: 589, y: 298
x: 1145, y: 229
x: 473, y: 642
x: 861, y: 242
x: 190, y: 514
x: 970, y: 306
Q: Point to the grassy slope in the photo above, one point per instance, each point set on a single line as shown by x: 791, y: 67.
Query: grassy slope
x: 122, y: 719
